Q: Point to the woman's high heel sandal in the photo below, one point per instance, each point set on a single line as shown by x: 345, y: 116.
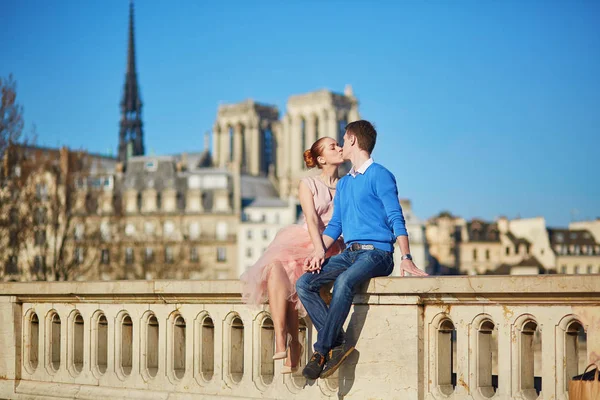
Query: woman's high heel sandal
x: 290, y: 370
x: 283, y: 354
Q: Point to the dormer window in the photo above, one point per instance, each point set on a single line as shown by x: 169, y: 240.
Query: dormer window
x: 151, y: 165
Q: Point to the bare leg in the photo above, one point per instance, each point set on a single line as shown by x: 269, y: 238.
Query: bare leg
x: 278, y: 288
x: 292, y: 329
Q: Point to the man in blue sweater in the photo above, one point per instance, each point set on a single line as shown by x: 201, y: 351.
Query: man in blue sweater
x: 367, y: 211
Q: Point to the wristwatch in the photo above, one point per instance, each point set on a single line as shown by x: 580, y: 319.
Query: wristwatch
x: 406, y: 257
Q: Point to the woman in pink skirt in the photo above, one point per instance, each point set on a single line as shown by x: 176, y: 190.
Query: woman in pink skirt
x: 274, y: 275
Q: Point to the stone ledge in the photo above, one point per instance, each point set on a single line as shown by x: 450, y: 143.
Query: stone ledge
x: 559, y: 285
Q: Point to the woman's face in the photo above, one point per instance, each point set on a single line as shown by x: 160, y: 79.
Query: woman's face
x: 331, y: 153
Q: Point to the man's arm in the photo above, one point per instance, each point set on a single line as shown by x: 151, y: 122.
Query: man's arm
x: 385, y: 188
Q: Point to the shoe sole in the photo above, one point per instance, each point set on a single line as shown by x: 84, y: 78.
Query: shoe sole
x: 331, y: 371
x: 309, y: 377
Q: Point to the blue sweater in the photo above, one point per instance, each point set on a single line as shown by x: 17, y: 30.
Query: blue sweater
x: 366, y: 209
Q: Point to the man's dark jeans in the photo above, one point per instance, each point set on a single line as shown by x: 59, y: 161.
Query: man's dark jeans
x: 347, y: 270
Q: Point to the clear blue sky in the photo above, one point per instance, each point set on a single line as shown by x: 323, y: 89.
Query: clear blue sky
x: 484, y: 108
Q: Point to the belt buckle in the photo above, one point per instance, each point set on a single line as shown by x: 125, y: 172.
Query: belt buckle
x: 358, y: 246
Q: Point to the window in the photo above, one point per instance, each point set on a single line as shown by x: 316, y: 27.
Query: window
x: 158, y: 201
x: 41, y: 191
x: 268, y: 158
x: 105, y: 231
x: 39, y: 264
x: 221, y: 254
x: 40, y: 237
x: 79, y: 231
x: 576, y: 269
x: 249, y: 234
x: 487, y: 254
x: 341, y: 131
x: 169, y: 255
x: 516, y: 249
x: 573, y: 235
x: 589, y: 269
x: 474, y: 254
x: 40, y: 216
x: 105, y: 256
x: 13, y: 238
x: 563, y: 269
x: 130, y: 229
x: 78, y: 255
x: 230, y: 143
x: 149, y: 254
x: 194, y: 254
x: 507, y: 251
x: 265, y: 234
x: 129, y: 255
x: 303, y: 138
x: 560, y: 237
x: 576, y: 250
x: 149, y: 228
x: 12, y: 265
x: 194, y: 230
x: 249, y: 252
x: 169, y: 228
x: 222, y: 231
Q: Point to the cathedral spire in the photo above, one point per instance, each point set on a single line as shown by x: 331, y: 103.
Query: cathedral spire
x: 131, y: 140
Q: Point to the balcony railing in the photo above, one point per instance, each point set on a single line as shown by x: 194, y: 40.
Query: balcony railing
x: 416, y: 338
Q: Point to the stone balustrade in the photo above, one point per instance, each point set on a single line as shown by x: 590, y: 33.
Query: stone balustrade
x: 511, y: 337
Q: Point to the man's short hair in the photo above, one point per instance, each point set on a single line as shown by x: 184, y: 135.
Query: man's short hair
x: 365, y: 134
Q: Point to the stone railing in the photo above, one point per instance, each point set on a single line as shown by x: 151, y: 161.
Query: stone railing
x: 416, y: 338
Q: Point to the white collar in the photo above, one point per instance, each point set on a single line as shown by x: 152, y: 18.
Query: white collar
x: 363, y: 168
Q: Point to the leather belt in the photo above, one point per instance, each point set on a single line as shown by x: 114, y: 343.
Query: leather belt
x: 358, y: 247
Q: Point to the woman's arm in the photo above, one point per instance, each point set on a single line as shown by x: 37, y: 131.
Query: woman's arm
x: 312, y: 219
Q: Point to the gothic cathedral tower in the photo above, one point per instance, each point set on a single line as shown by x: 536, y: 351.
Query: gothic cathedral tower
x: 131, y: 136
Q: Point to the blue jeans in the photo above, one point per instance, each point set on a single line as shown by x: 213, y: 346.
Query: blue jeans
x: 347, y: 270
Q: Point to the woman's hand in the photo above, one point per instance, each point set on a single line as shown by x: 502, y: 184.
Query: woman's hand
x: 314, y: 262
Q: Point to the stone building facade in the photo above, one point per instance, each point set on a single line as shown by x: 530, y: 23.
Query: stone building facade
x: 519, y: 246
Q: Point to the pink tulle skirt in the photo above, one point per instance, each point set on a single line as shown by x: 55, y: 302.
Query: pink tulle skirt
x: 288, y: 251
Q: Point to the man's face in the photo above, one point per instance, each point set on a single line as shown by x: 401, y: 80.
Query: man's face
x: 347, y: 147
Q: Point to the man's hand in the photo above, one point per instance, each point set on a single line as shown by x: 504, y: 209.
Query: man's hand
x: 411, y: 268
x: 314, y: 262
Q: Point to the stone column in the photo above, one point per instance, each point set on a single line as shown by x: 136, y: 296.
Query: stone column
x: 217, y: 145
x: 255, y: 157
x: 225, y: 145
x: 237, y: 144
x: 296, y: 156
x: 353, y: 114
x: 281, y: 133
x: 323, y: 124
x: 311, y: 131
x: 11, y: 331
x: 332, y: 124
